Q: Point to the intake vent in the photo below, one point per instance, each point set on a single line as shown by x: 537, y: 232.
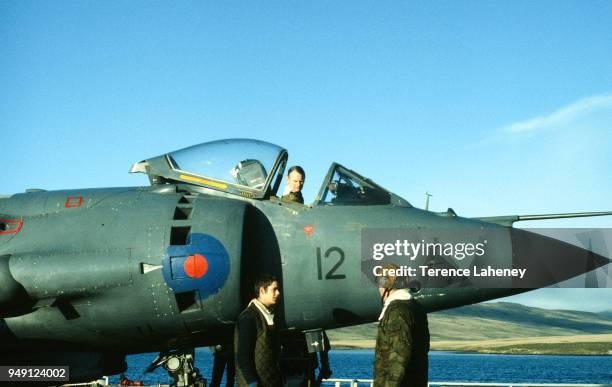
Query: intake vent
x: 182, y: 213
x: 186, y: 300
x: 178, y: 235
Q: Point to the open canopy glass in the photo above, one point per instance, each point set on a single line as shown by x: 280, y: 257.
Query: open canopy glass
x: 240, y: 166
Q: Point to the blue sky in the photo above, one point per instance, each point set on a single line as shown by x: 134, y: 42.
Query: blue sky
x: 493, y: 107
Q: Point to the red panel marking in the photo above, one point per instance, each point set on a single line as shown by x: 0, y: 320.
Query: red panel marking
x: 73, y: 201
x: 195, y: 266
x: 308, y: 229
x: 18, y: 222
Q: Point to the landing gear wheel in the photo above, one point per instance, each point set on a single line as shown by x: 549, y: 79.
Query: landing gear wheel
x: 180, y: 367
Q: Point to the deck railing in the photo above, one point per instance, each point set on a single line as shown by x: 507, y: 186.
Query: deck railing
x: 369, y: 382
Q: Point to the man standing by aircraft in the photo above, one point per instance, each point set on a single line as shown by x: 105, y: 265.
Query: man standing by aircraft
x: 402, y: 343
x: 257, y: 345
x: 295, y: 182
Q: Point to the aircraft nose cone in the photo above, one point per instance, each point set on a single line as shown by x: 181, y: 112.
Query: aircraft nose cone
x: 548, y: 260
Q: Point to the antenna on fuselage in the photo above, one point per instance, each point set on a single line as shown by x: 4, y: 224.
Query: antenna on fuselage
x: 427, y: 196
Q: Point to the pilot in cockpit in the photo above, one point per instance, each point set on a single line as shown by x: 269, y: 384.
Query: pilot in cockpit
x: 295, y: 182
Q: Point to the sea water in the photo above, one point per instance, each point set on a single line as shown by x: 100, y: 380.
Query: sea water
x: 443, y: 366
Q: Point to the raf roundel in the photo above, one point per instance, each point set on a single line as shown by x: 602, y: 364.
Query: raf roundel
x: 202, y: 265
x: 195, y: 266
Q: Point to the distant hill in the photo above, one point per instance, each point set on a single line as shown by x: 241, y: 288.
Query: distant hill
x: 510, y: 320
x: 494, y: 321
x: 606, y: 314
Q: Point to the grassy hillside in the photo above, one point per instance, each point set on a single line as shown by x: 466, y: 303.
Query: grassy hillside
x: 509, y: 320
x: 484, y: 327
x: 600, y: 344
x: 607, y: 314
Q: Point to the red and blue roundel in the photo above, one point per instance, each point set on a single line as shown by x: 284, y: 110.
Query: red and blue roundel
x: 202, y: 265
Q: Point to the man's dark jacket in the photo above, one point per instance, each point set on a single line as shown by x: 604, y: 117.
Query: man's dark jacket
x: 402, y: 345
x: 257, y: 349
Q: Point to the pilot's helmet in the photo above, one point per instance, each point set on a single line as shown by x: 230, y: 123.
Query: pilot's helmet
x: 389, y: 279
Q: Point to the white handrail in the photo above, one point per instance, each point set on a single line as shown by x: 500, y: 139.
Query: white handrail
x: 356, y: 382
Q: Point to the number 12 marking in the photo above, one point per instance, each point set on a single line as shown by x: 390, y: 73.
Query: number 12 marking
x: 330, y: 274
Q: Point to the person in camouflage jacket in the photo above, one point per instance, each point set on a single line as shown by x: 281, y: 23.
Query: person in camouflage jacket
x: 402, y: 343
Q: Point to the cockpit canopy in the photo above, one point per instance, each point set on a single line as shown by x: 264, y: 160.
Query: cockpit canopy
x: 343, y: 187
x: 254, y: 169
x: 239, y: 166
